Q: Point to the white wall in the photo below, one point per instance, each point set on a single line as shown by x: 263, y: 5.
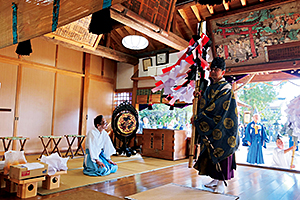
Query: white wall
x: 124, y: 73
x: 172, y: 60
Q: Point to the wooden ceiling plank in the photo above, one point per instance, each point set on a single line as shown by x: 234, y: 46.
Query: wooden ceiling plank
x: 186, y: 21
x: 174, y: 22
x: 100, y: 51
x: 121, y: 33
x: 118, y: 39
x: 196, y: 12
x: 171, y: 40
x: 171, y: 15
x: 182, y: 27
x: 134, y: 16
x: 179, y: 30
x: 210, y: 9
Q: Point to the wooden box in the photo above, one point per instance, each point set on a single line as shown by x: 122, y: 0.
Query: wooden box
x: 52, y: 181
x: 27, y: 188
x: 22, y: 172
x: 164, y: 143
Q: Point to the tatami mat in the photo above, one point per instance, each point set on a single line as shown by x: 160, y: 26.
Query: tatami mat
x: 127, y: 166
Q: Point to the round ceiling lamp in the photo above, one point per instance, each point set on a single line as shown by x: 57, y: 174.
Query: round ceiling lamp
x: 135, y: 42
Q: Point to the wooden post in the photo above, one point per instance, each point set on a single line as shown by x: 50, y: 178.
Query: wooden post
x: 295, y: 140
x: 195, y: 110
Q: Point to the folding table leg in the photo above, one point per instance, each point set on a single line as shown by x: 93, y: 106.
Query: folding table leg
x: 56, y: 146
x: 22, y: 144
x: 70, y: 146
x: 45, y: 147
x: 80, y: 140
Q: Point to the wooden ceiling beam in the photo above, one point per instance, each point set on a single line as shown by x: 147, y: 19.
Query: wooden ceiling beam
x: 186, y: 20
x: 276, y: 76
x: 266, y: 67
x: 171, y: 39
x: 187, y: 5
x: 196, y: 12
x: 210, y: 9
x: 100, y: 51
x: 108, y: 37
x: 226, y: 5
x: 118, y: 39
x: 134, y: 16
x: 243, y: 2
x: 179, y: 30
x: 182, y: 29
x: 121, y: 33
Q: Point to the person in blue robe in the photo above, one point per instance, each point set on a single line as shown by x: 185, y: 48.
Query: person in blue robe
x: 99, y: 148
x: 256, y: 138
x: 216, y: 125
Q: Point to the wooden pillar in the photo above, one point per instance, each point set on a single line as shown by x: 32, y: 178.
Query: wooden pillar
x: 234, y: 86
x: 135, y: 86
x: 84, y: 97
x: 17, y: 104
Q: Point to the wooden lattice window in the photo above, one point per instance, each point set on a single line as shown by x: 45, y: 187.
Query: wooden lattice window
x: 121, y: 97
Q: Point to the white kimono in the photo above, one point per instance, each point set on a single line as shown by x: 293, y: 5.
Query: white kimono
x: 280, y: 159
x: 98, y: 146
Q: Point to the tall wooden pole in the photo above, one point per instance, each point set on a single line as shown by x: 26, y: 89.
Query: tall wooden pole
x: 295, y: 140
x: 195, y: 110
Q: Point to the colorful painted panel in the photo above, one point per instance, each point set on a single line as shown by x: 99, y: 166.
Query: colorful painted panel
x: 244, y: 38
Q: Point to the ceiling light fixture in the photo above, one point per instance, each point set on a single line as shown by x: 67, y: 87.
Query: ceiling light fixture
x: 135, y: 42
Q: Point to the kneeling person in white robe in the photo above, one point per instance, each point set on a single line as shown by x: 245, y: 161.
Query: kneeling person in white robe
x: 282, y: 157
x: 99, y: 148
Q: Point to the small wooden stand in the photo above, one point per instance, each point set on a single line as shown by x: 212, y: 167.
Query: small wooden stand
x: 7, y: 142
x: 80, y: 139
x: 55, y: 139
x: 53, y: 181
x: 27, y: 188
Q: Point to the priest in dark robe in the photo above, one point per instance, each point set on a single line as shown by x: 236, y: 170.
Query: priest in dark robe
x: 216, y: 126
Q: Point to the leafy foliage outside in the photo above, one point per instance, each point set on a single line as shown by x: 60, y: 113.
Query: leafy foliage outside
x: 161, y: 115
x: 260, y: 96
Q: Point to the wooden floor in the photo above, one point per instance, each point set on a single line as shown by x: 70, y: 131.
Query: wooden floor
x: 249, y: 183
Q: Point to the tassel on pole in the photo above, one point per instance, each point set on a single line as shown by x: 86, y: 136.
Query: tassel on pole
x: 15, y: 23
x: 24, y: 48
x: 101, y: 22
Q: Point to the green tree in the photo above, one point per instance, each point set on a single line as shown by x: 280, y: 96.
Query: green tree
x: 161, y: 114
x: 260, y: 95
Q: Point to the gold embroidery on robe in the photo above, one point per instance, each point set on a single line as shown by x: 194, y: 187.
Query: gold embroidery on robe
x: 204, y: 126
x: 228, y: 123
x: 211, y: 107
x: 202, y: 103
x: 226, y: 105
x: 217, y: 134
x: 218, y: 152
x: 231, y: 141
x: 217, y: 119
